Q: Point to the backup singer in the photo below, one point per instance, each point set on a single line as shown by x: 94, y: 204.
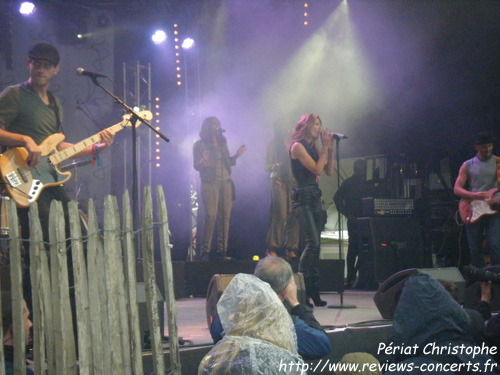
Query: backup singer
x: 211, y: 158
x: 283, y: 234
x: 308, y: 163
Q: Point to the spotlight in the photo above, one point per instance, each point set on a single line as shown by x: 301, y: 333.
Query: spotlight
x: 27, y: 8
x: 187, y: 43
x: 159, y: 37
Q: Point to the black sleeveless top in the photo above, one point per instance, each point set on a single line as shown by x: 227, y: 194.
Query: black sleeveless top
x: 303, y: 176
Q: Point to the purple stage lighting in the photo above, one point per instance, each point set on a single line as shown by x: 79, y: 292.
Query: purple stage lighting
x: 27, y: 8
x: 187, y: 43
x: 159, y: 37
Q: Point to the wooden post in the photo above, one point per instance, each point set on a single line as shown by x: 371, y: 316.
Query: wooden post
x: 40, y: 291
x: 16, y: 283
x: 168, y: 280
x: 131, y: 288
x: 100, y: 336
x: 63, y: 325
x: 112, y: 287
x: 150, y: 282
x: 81, y: 292
x: 113, y: 245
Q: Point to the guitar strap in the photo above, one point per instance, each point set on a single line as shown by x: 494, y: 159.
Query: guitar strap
x: 58, y: 117
x: 498, y: 169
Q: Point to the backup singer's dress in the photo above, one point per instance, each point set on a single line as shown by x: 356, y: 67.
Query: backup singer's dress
x: 217, y: 191
x: 283, y: 233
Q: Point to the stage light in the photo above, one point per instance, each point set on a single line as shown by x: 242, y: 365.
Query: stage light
x: 188, y: 43
x: 159, y: 37
x: 27, y: 8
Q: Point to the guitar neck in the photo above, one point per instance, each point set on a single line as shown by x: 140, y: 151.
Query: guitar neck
x: 69, y: 152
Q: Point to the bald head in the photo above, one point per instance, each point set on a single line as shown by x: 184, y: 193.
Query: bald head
x: 274, y: 271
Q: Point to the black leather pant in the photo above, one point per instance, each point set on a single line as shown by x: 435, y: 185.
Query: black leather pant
x: 307, y: 206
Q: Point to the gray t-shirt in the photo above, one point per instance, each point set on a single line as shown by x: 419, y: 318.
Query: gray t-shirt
x: 22, y: 111
x: 482, y: 174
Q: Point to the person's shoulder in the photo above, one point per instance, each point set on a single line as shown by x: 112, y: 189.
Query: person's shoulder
x: 11, y: 90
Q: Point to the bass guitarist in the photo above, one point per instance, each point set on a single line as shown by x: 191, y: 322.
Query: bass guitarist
x: 482, y: 174
x: 29, y: 113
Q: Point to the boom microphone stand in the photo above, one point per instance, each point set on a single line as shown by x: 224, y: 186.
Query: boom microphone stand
x: 341, y: 235
x: 134, y: 118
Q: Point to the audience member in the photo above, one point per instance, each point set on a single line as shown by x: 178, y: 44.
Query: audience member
x: 260, y: 338
x: 429, y: 335
x: 358, y: 363
x: 475, y: 328
x: 8, y: 338
x: 313, y: 343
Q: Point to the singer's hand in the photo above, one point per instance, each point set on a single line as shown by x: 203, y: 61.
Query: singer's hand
x: 326, y: 138
x: 206, y: 155
x: 241, y: 150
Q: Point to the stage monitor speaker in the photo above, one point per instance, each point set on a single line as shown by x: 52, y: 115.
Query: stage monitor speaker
x: 387, y: 295
x: 391, y: 244
x: 473, y: 293
x: 219, y: 283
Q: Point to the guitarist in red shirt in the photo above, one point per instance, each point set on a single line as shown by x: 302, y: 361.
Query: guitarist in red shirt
x: 481, y: 201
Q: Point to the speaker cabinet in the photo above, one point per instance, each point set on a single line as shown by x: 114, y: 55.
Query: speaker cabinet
x: 219, y: 283
x: 391, y: 244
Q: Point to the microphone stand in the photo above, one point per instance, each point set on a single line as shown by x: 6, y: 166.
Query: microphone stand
x: 134, y: 118
x: 341, y: 236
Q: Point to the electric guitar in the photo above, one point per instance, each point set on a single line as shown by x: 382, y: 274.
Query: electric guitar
x: 472, y: 210
x: 24, y: 183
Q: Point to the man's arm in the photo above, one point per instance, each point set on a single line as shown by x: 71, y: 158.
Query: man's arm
x: 19, y: 140
x: 216, y: 330
x: 107, y: 138
x: 312, y: 343
x: 460, y: 190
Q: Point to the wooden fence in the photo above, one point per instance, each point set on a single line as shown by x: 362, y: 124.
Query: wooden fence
x: 108, y: 337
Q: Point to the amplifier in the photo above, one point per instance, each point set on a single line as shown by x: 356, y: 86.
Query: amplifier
x: 388, y: 206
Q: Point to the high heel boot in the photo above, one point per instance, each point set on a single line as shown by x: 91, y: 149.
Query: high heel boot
x: 312, y: 292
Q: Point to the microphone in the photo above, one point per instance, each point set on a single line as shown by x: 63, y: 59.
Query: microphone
x: 339, y: 136
x: 478, y: 274
x: 83, y: 72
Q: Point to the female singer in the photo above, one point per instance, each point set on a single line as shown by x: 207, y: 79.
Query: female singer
x: 308, y: 162
x: 212, y: 159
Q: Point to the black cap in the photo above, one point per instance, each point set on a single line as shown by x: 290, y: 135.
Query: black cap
x: 483, y: 138
x: 44, y: 51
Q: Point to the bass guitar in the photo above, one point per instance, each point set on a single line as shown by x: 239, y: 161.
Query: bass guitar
x: 24, y: 183
x: 472, y: 210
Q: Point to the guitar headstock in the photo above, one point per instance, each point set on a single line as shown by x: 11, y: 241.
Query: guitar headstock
x: 144, y: 115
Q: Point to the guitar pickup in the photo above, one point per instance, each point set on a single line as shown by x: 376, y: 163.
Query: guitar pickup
x: 23, y: 175
x: 13, y: 179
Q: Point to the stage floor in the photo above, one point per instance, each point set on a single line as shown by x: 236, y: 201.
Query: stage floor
x: 192, y: 319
